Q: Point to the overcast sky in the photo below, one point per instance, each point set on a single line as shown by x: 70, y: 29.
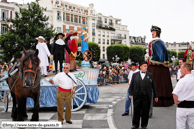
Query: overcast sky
x: 175, y: 17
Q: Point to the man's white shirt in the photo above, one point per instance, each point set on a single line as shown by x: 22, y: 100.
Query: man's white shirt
x: 185, y: 88
x: 131, y: 74
x: 63, y: 81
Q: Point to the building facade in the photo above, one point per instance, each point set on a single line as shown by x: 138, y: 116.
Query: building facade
x: 104, y: 30
x: 138, y: 41
x: 178, y: 46
x: 7, y: 11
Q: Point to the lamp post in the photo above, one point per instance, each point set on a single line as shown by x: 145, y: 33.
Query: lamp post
x: 116, y: 58
x: 173, y: 60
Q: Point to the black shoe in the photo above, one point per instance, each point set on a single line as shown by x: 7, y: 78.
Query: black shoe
x: 125, y: 114
x: 45, y: 75
x: 69, y: 122
x: 62, y: 122
x: 133, y: 127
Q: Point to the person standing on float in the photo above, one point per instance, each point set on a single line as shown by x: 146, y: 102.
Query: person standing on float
x: 158, y: 60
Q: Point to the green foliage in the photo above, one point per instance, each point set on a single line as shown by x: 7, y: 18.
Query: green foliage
x: 95, y: 47
x: 122, y: 51
x: 106, y: 27
x: 172, y: 53
x: 181, y: 54
x: 177, y: 62
x: 136, y: 53
x: 28, y: 24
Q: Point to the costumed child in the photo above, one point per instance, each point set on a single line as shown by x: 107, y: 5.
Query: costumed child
x: 43, y: 52
x: 73, y: 47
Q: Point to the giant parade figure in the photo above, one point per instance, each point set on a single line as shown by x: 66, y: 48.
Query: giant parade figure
x: 58, y: 51
x: 189, y: 55
x: 158, y: 60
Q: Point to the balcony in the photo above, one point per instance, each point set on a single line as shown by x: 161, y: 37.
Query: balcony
x: 4, y: 18
x: 58, y: 17
x: 100, y: 21
x: 117, y: 38
x: 105, y: 27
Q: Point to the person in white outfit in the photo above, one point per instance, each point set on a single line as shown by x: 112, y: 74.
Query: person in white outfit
x: 183, y: 95
x: 43, y: 52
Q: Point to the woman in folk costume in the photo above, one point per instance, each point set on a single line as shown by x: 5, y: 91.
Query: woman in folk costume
x: 158, y: 61
x: 43, y: 52
x: 73, y: 48
x: 84, y: 39
x: 58, y: 51
x: 67, y: 55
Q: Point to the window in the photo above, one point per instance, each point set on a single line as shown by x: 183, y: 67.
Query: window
x: 103, y: 34
x: 179, y: 45
x: 105, y: 20
x: 93, y: 31
x: 73, y: 8
x: 174, y: 45
x: 103, y: 41
x: 91, y: 11
x: 103, y: 56
x: 4, y: 14
x: 3, y: 28
x: 66, y: 6
x: 99, y: 41
x: 112, y: 42
x: 125, y: 36
x: 119, y: 42
x: 67, y: 30
x: 57, y: 2
x: 103, y: 49
x: 93, y: 39
x: 99, y: 34
x: 93, y: 22
x: 58, y: 28
x: 124, y: 43
x: 171, y: 45
x: 107, y: 41
x: 107, y: 34
x: 58, y: 15
x: 81, y: 10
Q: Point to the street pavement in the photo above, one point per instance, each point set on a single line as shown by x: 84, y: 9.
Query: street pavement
x: 105, y: 114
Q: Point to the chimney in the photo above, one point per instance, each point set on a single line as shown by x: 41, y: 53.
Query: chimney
x: 4, y: 1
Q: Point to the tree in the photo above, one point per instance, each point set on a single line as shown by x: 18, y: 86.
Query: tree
x: 181, y: 54
x: 122, y: 51
x: 28, y: 24
x: 136, y: 53
x: 171, y: 53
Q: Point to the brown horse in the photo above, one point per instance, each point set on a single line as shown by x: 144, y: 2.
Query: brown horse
x: 25, y: 83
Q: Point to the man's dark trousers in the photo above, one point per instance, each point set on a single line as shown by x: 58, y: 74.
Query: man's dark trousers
x: 141, y: 108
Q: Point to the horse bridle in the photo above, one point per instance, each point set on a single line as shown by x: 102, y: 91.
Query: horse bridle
x: 31, y: 71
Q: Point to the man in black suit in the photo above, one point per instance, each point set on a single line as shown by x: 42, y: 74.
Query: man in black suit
x: 142, y: 85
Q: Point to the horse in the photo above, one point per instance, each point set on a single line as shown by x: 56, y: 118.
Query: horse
x: 25, y: 83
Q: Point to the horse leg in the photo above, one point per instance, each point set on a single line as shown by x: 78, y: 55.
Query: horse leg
x: 20, y: 102
x: 14, y: 108
x: 25, y: 116
x: 35, y: 116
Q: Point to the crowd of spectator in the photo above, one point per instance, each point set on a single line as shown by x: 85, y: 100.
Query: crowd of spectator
x: 113, y: 74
